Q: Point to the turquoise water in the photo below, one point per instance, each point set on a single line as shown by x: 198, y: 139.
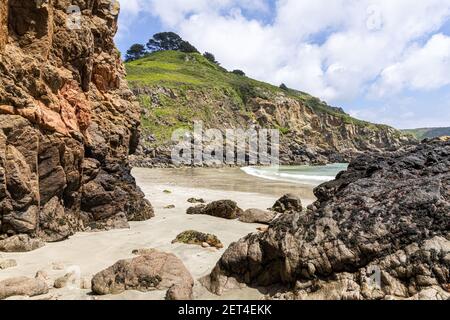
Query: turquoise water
x: 311, y: 175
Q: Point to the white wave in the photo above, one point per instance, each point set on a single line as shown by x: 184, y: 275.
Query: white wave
x: 275, y: 175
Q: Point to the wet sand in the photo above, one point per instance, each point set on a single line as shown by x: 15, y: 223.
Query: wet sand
x: 93, y: 252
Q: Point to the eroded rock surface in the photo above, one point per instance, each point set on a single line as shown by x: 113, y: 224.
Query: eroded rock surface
x: 67, y: 122
x: 381, y: 230
x: 153, y: 271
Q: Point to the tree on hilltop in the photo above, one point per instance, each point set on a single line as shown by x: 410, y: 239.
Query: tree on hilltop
x: 210, y: 57
x: 135, y: 52
x: 186, y: 47
x: 164, y: 41
x: 239, y: 72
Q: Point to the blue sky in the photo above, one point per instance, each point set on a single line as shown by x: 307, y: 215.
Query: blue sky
x: 380, y: 60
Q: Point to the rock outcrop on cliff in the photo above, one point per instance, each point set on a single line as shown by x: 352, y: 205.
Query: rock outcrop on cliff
x: 381, y: 230
x: 67, y: 121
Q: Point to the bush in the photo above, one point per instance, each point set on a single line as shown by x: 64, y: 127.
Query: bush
x: 210, y: 57
x: 239, y: 72
x: 284, y: 87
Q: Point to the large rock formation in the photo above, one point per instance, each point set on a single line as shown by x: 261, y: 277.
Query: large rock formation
x: 67, y: 121
x: 380, y: 230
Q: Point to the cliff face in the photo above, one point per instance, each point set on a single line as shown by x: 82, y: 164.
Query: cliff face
x: 175, y: 88
x: 67, y: 122
x: 380, y: 230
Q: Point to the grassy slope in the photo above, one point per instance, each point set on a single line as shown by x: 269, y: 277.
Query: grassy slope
x: 428, y: 132
x: 181, y: 71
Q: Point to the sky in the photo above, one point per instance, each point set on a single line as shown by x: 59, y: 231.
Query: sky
x: 385, y: 61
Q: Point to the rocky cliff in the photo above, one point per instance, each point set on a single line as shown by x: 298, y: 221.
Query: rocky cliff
x: 67, y: 121
x: 381, y: 230
x: 175, y: 89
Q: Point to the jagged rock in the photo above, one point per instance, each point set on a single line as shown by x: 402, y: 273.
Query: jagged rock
x: 288, y: 203
x: 257, y: 216
x: 68, y: 123
x: 9, y: 263
x: 225, y: 209
x: 153, y: 271
x: 198, y: 238
x: 20, y: 243
x: 22, y: 286
x: 379, y: 231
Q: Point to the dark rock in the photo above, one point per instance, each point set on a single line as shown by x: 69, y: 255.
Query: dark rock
x: 225, y: 209
x: 387, y: 218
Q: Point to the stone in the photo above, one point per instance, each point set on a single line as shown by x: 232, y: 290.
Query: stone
x: 195, y: 200
x: 198, y: 238
x: 288, y: 203
x: 170, y: 206
x: 20, y: 243
x: 22, y: 286
x: 387, y: 217
x: 6, y: 264
x: 225, y: 209
x: 257, y: 216
x: 154, y: 271
x: 63, y: 281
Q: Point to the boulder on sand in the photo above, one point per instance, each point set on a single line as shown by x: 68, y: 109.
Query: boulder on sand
x: 198, y: 238
x: 225, y: 209
x: 23, y: 286
x: 257, y: 216
x: 154, y: 271
x: 288, y: 203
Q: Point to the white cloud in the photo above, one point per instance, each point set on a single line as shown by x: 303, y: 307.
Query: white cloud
x: 422, y: 68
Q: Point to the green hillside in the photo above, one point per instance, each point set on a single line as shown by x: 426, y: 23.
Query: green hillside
x: 424, y: 133
x: 185, y: 72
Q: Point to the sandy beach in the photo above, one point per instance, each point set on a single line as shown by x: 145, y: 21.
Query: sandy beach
x: 90, y: 253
